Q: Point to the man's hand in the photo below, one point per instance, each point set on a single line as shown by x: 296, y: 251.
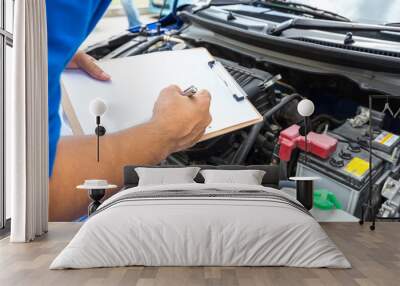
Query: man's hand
x: 83, y: 61
x: 183, y: 120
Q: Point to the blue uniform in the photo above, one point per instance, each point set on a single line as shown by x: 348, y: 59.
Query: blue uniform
x: 69, y: 22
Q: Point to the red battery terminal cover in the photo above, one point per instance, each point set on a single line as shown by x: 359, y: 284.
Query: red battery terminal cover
x: 321, y: 145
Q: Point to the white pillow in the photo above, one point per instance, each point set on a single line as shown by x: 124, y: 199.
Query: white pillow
x: 248, y: 177
x: 165, y: 176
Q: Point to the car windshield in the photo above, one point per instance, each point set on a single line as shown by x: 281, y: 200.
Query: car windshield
x: 363, y: 11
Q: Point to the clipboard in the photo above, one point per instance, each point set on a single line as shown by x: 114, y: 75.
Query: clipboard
x: 135, y: 85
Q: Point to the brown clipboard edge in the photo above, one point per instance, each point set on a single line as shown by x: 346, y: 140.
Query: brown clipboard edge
x: 70, y: 112
x: 233, y: 128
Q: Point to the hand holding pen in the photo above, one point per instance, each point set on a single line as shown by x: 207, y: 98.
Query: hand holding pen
x: 182, y: 115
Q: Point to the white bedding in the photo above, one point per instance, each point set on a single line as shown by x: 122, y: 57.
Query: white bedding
x: 183, y: 231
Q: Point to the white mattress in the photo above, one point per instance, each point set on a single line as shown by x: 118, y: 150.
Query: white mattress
x: 191, y: 231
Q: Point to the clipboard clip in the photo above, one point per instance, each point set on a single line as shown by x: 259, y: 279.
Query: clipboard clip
x: 221, y: 72
x: 236, y: 95
x: 211, y: 64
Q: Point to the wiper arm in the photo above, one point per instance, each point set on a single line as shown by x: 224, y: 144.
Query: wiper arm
x: 315, y: 24
x: 304, y: 9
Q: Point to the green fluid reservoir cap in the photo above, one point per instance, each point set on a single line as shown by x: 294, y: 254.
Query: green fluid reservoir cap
x: 325, y: 200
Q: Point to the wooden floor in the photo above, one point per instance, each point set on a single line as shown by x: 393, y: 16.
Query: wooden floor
x: 375, y: 257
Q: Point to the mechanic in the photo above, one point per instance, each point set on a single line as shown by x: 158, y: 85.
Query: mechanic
x: 178, y: 122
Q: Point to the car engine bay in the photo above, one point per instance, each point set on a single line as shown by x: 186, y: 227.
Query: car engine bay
x: 341, y: 113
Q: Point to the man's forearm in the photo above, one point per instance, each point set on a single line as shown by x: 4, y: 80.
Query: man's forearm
x: 178, y: 122
x: 76, y: 161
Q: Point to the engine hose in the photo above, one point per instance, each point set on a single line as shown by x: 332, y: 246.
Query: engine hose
x: 246, y: 146
x: 145, y: 46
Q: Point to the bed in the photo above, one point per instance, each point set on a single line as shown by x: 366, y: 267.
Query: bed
x: 201, y: 224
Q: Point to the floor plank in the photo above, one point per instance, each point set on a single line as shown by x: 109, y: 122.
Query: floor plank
x: 375, y: 257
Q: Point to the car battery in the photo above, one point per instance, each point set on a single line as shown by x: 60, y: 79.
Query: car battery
x: 345, y: 173
x: 385, y: 144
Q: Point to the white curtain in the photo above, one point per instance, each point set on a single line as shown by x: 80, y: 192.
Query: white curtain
x: 26, y: 124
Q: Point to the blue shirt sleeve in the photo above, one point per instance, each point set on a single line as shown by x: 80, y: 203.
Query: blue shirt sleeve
x: 69, y: 22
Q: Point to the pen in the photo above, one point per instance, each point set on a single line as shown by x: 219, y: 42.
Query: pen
x: 190, y: 91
